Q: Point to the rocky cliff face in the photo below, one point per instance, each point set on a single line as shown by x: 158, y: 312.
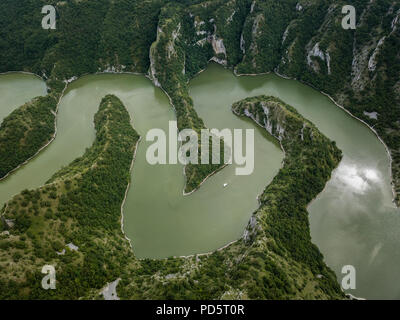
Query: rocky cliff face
x: 173, y: 41
x: 359, y: 68
x: 305, y: 40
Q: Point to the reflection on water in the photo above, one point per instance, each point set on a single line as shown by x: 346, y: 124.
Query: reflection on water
x: 353, y: 178
x: 353, y: 221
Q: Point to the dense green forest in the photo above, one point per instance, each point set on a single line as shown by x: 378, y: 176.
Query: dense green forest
x: 27, y: 129
x: 174, y: 40
x: 81, y: 204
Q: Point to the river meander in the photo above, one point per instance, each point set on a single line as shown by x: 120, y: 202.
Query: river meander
x: 353, y: 221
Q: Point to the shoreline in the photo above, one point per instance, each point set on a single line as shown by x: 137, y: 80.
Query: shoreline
x: 379, y: 138
x: 147, y: 75
x: 158, y: 85
x: 203, y: 181
x: 55, y: 113
x: 215, y: 172
x: 75, y: 78
x: 281, y: 147
x: 349, y: 113
x: 257, y: 198
x: 205, y: 253
x: 23, y: 72
x: 126, y: 193
x: 363, y: 122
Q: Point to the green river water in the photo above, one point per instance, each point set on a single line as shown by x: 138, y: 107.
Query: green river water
x: 353, y: 221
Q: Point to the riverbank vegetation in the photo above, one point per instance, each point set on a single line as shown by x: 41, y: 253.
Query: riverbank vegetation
x: 81, y: 205
x: 174, y: 40
x: 27, y: 129
x: 275, y: 259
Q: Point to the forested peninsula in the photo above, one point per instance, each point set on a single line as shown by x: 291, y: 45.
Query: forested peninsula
x: 81, y: 204
x: 28, y: 129
x: 171, y: 41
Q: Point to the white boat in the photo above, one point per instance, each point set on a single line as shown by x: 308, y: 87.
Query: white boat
x: 225, y: 184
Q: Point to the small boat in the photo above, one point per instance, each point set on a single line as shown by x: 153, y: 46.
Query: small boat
x: 225, y: 184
